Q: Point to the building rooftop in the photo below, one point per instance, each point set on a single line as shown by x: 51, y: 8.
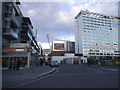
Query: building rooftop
x: 95, y: 15
x: 17, y: 2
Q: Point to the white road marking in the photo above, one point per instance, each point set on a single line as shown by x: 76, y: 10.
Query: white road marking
x: 93, y: 69
x: 109, y: 69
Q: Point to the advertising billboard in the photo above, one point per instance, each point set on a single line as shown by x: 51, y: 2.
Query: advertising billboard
x: 59, y: 46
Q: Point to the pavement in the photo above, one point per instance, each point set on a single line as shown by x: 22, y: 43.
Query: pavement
x: 11, y: 78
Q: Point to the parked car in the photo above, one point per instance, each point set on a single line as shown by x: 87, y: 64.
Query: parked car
x: 54, y: 64
x: 47, y: 63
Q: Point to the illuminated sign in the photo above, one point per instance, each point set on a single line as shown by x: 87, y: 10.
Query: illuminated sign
x: 20, y: 50
x: 10, y: 50
x: 59, y: 46
x: 15, y: 50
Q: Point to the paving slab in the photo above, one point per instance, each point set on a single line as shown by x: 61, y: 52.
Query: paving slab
x: 14, y: 77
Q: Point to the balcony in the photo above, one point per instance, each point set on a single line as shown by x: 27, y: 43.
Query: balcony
x: 24, y: 33
x: 15, y: 20
x: 10, y: 33
x: 26, y: 26
x: 17, y: 8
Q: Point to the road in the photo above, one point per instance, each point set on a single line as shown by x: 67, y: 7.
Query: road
x: 77, y: 76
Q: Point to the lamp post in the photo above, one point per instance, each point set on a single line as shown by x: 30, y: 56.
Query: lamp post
x: 79, y: 59
x: 29, y: 55
x: 34, y: 57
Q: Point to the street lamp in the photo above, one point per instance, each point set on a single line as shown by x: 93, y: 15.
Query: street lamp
x: 79, y: 59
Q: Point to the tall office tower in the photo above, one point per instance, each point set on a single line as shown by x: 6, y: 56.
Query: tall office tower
x: 96, y: 35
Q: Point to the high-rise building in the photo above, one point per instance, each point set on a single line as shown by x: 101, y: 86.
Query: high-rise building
x: 96, y: 35
x: 18, y: 41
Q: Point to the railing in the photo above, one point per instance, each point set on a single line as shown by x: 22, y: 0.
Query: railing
x: 17, y: 8
x: 15, y: 20
x: 10, y: 32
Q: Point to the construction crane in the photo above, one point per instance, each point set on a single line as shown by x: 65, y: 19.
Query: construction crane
x: 48, y: 39
x: 49, y: 36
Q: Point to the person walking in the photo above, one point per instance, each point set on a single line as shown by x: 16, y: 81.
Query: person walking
x: 18, y: 64
x: 14, y: 64
x: 11, y: 64
x: 41, y: 62
x: 88, y: 62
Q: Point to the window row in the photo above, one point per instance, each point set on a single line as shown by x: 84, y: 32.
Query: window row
x: 115, y: 26
x: 88, y: 31
x: 101, y: 48
x: 99, y: 40
x: 97, y: 19
x: 100, y: 30
x: 96, y: 23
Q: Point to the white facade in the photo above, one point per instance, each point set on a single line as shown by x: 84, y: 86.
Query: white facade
x: 57, y: 58
x: 69, y: 58
x: 69, y: 55
x: 96, y: 34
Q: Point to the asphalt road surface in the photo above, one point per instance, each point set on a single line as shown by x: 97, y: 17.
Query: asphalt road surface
x: 77, y: 76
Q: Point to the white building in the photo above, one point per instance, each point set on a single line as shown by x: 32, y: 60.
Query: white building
x: 60, y: 49
x: 96, y: 35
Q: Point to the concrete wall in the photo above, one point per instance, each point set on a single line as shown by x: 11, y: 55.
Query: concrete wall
x: 0, y: 45
x: 69, y: 60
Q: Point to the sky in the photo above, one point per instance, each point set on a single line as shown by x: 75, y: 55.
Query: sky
x: 56, y: 18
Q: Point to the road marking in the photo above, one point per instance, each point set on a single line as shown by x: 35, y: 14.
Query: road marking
x: 110, y: 69
x: 93, y: 69
x: 57, y: 70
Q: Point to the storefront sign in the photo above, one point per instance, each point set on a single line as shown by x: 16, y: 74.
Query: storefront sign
x: 20, y: 50
x: 10, y: 50
x: 19, y: 45
x: 15, y: 50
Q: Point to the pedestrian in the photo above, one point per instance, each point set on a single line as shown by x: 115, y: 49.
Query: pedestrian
x: 11, y: 63
x: 18, y: 64
x: 88, y: 62
x: 14, y: 65
x: 41, y: 62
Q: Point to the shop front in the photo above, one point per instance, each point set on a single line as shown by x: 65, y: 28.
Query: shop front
x: 10, y: 57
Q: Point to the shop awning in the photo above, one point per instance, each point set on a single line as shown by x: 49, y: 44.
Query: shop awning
x: 15, y: 55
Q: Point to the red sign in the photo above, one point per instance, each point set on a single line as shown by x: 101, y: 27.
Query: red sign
x: 14, y: 50
x: 10, y: 50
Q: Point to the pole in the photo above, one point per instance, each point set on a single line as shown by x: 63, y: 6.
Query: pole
x: 79, y: 59
x: 29, y: 55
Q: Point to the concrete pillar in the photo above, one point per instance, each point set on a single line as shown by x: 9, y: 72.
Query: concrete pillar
x: 79, y: 59
x: 28, y: 60
x: 0, y: 44
x: 8, y: 62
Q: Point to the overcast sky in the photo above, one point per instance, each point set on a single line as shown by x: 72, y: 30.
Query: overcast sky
x: 57, y: 18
